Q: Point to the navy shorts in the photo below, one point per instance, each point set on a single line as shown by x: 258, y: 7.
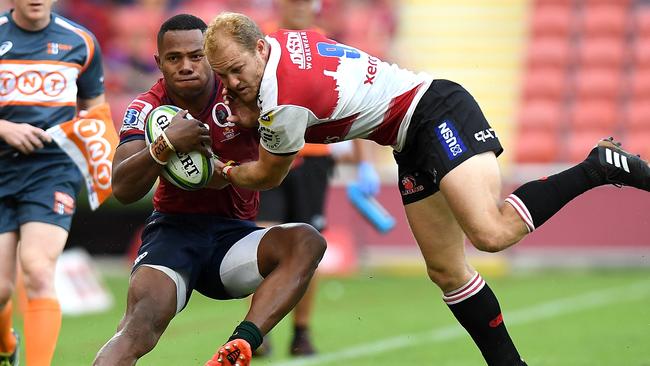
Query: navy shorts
x: 301, y: 196
x: 193, y: 245
x: 37, y: 189
x: 447, y: 128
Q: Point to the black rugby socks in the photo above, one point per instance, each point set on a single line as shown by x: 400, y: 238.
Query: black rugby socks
x: 477, y: 310
x: 538, y: 200
x: 249, y: 332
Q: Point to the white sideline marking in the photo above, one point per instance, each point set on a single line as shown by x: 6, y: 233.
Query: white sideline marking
x: 531, y: 314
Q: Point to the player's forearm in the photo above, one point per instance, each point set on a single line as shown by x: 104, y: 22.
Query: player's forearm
x: 134, y: 177
x: 255, y: 175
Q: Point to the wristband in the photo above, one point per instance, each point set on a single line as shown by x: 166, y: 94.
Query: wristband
x: 225, y: 171
x: 159, y: 150
x: 153, y: 155
x: 164, y: 135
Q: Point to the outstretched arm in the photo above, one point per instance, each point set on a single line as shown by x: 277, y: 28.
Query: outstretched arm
x: 265, y: 173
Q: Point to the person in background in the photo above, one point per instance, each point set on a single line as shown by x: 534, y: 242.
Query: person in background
x: 52, y: 69
x: 302, y: 195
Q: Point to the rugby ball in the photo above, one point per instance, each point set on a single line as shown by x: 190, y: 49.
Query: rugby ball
x: 189, y: 171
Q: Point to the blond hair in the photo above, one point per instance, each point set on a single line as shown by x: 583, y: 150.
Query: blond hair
x: 238, y: 27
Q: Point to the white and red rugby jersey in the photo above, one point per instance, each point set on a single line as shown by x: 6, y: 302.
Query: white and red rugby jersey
x: 319, y: 91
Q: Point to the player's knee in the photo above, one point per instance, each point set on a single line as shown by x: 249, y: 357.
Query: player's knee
x: 444, y: 278
x: 39, y: 280
x: 309, y: 244
x: 486, y: 241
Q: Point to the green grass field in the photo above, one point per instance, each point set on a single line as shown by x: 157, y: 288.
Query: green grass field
x: 556, y: 318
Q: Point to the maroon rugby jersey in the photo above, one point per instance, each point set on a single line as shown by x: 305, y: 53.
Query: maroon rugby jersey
x: 229, y: 142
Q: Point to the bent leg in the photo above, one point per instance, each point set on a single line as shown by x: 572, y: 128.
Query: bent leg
x: 288, y: 255
x: 473, y: 192
x: 151, y: 305
x: 470, y: 299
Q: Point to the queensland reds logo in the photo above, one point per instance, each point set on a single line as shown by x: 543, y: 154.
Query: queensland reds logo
x: 408, y: 182
x: 220, y: 112
x: 31, y: 82
x: 98, y: 149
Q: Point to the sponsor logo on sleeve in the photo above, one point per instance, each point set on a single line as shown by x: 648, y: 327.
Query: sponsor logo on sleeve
x: 269, y: 137
x: 449, y: 139
x: 299, y: 49
x: 135, y: 115
x: 130, y: 118
x: 266, y: 119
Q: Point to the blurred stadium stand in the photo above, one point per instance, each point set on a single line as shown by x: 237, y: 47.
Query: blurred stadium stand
x: 589, y: 59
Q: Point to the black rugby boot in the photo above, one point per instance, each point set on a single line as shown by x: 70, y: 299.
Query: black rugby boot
x: 610, y: 164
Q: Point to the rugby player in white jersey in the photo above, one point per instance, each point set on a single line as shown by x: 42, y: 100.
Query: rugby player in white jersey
x: 308, y: 88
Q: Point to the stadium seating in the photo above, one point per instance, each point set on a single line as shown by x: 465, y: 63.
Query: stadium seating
x: 549, y: 51
x: 552, y: 19
x: 537, y: 147
x: 638, y: 117
x: 541, y: 115
x: 642, y: 21
x: 641, y: 52
x: 600, y: 116
x: 579, y: 144
x: 546, y: 83
x: 639, y: 83
x: 638, y: 143
x: 602, y: 52
x: 604, y: 19
x: 587, y: 76
x: 604, y: 83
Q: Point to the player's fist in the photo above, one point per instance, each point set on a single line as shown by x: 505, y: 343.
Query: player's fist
x: 23, y: 136
x: 243, y: 115
x: 219, y: 179
x: 187, y: 134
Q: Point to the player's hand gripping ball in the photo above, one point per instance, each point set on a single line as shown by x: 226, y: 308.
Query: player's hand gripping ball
x: 189, y: 171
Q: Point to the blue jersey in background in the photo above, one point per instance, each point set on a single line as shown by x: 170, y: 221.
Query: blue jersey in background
x: 42, y: 74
